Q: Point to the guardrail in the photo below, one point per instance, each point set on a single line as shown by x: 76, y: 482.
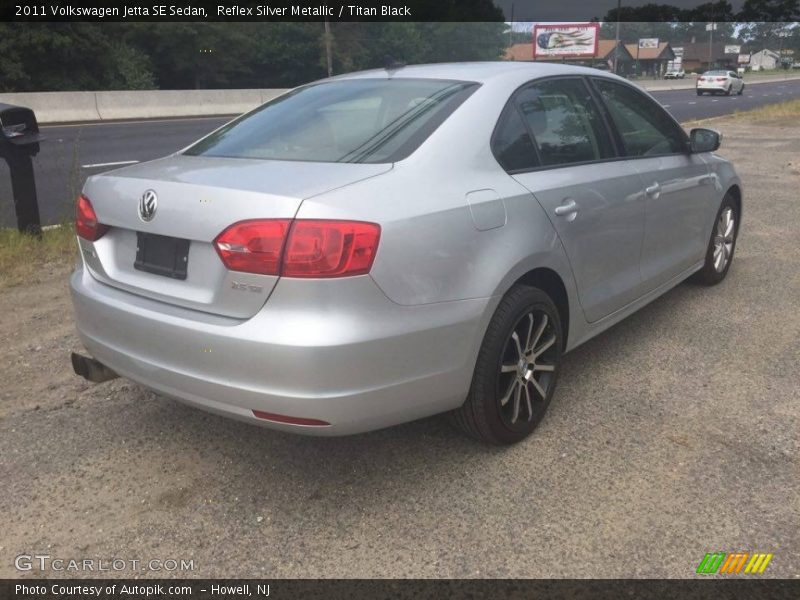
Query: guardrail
x: 78, y: 107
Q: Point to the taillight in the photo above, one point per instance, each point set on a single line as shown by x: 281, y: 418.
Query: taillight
x: 330, y: 248
x: 86, y: 225
x: 722, y: 79
x: 300, y: 248
x: 253, y: 246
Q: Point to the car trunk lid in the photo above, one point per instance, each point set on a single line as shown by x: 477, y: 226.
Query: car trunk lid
x: 196, y: 199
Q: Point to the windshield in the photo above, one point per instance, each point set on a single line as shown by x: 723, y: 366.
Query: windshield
x: 355, y: 120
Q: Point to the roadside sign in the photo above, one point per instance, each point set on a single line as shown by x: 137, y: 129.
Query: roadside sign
x: 733, y: 49
x: 648, y: 43
x: 557, y: 41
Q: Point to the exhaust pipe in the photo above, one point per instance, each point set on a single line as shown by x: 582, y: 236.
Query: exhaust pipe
x: 90, y: 369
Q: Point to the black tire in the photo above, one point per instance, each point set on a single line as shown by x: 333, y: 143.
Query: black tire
x: 483, y: 415
x: 699, y: 93
x: 728, y: 91
x: 709, y: 274
x: 741, y: 90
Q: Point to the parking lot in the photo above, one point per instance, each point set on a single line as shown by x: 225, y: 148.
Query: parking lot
x: 671, y: 435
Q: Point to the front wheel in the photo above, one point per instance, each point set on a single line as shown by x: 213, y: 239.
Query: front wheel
x: 722, y: 244
x: 516, y: 371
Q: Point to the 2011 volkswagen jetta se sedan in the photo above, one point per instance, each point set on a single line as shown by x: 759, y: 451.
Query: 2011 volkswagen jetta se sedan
x: 388, y: 245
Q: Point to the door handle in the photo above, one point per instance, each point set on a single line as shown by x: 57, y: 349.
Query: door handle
x: 569, y: 207
x: 653, y: 190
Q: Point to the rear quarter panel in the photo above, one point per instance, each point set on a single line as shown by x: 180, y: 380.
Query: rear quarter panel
x: 432, y: 248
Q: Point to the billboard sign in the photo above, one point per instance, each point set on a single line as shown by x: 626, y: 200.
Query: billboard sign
x: 648, y: 43
x: 678, y: 52
x: 733, y: 49
x: 573, y: 40
x: 744, y: 59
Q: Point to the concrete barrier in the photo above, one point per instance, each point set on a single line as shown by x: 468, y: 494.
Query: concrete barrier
x: 57, y: 107
x: 78, y: 107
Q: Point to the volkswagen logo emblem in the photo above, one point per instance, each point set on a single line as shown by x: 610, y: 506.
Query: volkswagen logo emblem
x: 148, y: 204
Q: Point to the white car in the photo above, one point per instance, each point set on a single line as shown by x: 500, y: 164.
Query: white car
x: 675, y: 74
x: 725, y: 82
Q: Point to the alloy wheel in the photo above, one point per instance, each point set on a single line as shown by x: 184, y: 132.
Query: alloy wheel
x: 724, y: 238
x: 527, y: 369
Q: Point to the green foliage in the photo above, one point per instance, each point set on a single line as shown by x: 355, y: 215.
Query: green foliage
x: 94, y: 56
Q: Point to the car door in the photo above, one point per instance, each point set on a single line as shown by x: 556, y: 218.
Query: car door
x: 737, y: 82
x: 594, y: 201
x: 677, y: 183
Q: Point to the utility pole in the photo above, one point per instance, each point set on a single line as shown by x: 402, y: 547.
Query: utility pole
x: 711, y: 28
x: 616, y: 44
x: 511, y: 29
x: 328, y: 56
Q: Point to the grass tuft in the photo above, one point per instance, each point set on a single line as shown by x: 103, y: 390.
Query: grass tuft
x: 26, y: 259
x: 771, y: 112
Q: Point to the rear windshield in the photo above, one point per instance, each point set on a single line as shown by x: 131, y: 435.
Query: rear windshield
x: 355, y: 120
x: 715, y: 73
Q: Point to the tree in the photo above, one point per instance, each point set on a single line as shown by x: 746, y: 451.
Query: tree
x: 770, y: 10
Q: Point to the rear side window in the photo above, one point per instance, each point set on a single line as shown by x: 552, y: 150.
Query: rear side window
x: 564, y: 121
x: 512, y: 143
x: 356, y: 120
x: 646, y: 128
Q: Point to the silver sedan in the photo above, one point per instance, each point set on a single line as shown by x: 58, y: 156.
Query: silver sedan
x: 388, y: 245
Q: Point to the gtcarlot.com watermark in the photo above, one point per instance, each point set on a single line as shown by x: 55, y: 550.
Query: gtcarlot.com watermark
x: 45, y: 562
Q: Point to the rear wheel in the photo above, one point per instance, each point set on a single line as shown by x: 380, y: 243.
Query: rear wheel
x: 699, y: 93
x: 741, y: 90
x: 728, y: 91
x: 721, y: 246
x: 516, y: 371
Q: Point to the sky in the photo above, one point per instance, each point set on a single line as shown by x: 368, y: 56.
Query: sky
x: 582, y: 10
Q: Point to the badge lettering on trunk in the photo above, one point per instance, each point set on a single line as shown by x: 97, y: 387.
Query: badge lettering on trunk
x: 246, y: 287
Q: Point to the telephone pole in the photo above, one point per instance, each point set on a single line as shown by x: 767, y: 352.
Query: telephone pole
x: 616, y: 45
x: 328, y: 55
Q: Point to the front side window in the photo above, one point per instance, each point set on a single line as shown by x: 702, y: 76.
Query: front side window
x: 646, y: 128
x: 357, y: 120
x: 564, y: 121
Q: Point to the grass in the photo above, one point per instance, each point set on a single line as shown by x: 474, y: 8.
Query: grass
x: 770, y: 114
x: 27, y: 259
x: 782, y: 110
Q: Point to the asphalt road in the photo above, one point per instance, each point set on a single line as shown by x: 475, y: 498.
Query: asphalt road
x: 72, y: 153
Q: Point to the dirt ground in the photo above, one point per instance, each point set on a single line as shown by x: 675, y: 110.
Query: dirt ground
x: 672, y: 435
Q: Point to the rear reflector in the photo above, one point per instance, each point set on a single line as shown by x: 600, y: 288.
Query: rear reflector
x: 86, y: 225
x: 299, y: 248
x: 290, y: 420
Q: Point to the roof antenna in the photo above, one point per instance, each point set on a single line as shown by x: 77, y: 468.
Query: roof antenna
x: 389, y: 63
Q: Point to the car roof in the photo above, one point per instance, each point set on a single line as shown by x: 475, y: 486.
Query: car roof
x: 480, y: 72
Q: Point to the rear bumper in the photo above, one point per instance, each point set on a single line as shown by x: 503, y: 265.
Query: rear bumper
x: 336, y: 351
x: 712, y: 87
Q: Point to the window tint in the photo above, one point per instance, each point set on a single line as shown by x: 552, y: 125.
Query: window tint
x: 565, y: 122
x: 646, y: 129
x: 511, y: 143
x: 360, y: 120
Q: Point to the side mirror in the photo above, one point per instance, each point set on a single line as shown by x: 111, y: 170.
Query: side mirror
x: 704, y: 140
